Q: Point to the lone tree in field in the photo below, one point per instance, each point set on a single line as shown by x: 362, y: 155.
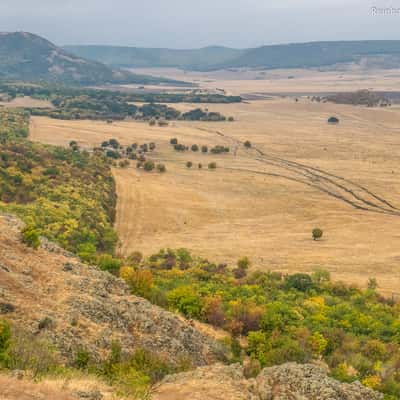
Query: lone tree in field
x: 148, y: 166
x: 317, y: 233
x: 247, y: 144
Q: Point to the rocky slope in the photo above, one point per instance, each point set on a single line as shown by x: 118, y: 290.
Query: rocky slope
x: 50, y: 293
x: 286, y: 382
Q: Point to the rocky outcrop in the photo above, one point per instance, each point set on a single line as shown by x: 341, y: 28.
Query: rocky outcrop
x: 50, y: 293
x: 286, y: 382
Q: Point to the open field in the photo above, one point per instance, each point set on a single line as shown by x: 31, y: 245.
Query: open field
x: 300, y: 81
x: 26, y: 101
x: 301, y: 173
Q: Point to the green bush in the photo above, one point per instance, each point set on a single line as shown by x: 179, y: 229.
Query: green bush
x: 30, y: 237
x: 107, y: 262
x: 148, y: 166
x: 185, y: 300
x: 195, y: 147
x: 212, y: 165
x: 189, y: 164
x: 5, y: 341
x: 317, y: 233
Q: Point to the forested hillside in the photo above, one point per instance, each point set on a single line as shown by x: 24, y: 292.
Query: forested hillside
x: 296, y: 55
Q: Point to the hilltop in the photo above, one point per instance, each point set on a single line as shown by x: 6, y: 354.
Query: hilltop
x: 383, y: 53
x: 28, y: 57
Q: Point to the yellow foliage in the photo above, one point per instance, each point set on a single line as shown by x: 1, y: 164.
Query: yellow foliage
x: 126, y: 273
x: 373, y: 381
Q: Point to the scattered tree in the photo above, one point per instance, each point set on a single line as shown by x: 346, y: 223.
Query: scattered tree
x: 148, y: 166
x: 189, y: 164
x: 317, y: 233
x: 247, y: 144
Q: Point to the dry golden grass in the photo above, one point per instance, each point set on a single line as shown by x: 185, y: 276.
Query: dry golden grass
x: 264, y: 204
x: 276, y: 81
x: 53, y: 388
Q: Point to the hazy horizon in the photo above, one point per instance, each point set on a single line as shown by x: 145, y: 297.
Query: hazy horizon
x: 174, y: 24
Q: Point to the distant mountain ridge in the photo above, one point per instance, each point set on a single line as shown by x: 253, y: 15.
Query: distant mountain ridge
x: 28, y: 57
x: 121, y: 56
x: 295, y: 55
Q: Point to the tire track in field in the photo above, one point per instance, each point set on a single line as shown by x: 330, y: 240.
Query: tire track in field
x: 339, y: 187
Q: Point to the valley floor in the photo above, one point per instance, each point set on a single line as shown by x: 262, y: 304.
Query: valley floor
x: 300, y: 174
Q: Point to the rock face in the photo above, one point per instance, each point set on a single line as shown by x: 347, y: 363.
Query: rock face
x: 50, y: 293
x: 286, y: 382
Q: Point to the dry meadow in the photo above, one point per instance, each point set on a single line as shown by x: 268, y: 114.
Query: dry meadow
x: 301, y: 173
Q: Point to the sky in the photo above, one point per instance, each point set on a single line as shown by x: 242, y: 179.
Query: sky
x: 198, y: 23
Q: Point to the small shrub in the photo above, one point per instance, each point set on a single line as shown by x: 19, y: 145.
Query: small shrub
x: 5, y: 340
x: 200, y: 165
x: 82, y: 359
x: 189, y: 164
x: 212, y: 165
x: 204, y: 149
x: 29, y: 352
x: 173, y: 141
x: 148, y: 166
x: 107, y: 262
x: 195, y: 147
x: 152, y: 122
x: 152, y: 146
x: 135, y: 258
x: 30, y: 237
x: 114, y: 143
x: 124, y: 164
x: 244, y: 263
x: 179, y: 147
x: 231, y: 119
x: 113, y: 154
x: 161, y: 168
x: 163, y: 123
x: 317, y: 233
x: 301, y: 282
x: 247, y: 144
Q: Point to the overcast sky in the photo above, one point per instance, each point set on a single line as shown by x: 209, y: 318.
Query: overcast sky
x: 196, y: 23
